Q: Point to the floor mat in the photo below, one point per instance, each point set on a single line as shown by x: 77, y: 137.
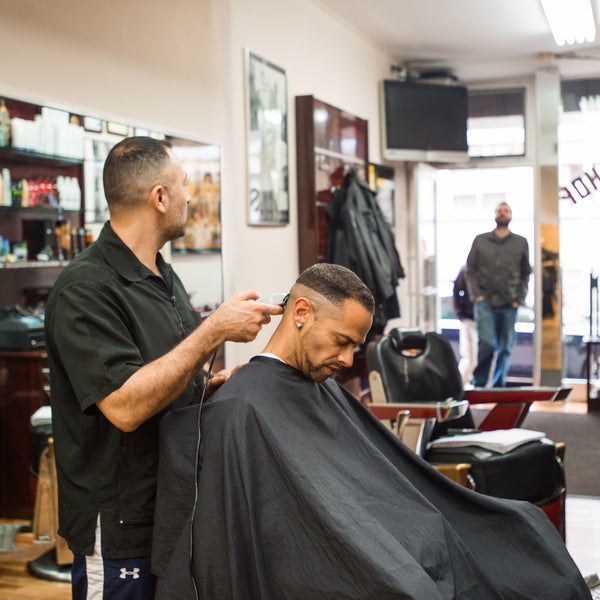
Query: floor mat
x: 7, y: 536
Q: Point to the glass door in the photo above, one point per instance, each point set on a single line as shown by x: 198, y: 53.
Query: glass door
x: 424, y: 275
x: 465, y: 207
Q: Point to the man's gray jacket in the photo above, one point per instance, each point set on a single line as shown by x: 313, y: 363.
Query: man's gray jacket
x: 498, y: 268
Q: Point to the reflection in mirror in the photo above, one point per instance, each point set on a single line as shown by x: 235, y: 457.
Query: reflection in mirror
x: 550, y: 303
x: 196, y: 255
x: 203, y: 228
x: 202, y: 164
x: 551, y: 342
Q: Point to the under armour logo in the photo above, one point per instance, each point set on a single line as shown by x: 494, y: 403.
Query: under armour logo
x: 135, y: 573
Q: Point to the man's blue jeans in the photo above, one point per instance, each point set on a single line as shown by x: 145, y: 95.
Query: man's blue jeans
x: 496, y: 331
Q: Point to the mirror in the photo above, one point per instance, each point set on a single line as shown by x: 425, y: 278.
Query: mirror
x: 550, y: 309
x: 47, y: 142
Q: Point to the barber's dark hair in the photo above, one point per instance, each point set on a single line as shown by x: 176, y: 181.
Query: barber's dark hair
x: 337, y: 284
x: 131, y: 169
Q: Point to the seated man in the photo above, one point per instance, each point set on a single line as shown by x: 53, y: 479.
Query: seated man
x: 286, y: 487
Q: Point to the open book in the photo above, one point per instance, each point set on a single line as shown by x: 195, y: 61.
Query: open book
x: 499, y: 440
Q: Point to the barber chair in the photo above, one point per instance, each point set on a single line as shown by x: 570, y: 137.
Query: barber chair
x: 55, y: 564
x: 417, y: 372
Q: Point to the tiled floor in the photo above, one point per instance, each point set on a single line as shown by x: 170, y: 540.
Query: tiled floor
x: 583, y: 512
x: 583, y: 532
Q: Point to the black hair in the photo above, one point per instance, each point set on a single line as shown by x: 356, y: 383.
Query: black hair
x: 131, y: 169
x: 337, y: 284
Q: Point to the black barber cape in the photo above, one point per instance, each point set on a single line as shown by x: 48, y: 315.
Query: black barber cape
x: 303, y: 494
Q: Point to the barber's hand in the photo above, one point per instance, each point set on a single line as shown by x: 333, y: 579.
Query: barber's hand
x: 240, y: 318
x: 216, y: 381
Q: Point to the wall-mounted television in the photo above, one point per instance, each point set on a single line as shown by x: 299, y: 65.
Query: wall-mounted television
x: 424, y: 121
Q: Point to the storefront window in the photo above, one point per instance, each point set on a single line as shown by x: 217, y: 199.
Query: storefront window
x: 496, y: 123
x: 579, y: 212
x: 466, y: 203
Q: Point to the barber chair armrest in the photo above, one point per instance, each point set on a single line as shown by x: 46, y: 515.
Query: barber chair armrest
x: 511, y: 404
x: 561, y: 449
x: 441, y: 411
x: 509, y: 395
x: 458, y: 472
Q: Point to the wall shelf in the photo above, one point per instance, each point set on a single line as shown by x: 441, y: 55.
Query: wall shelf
x: 10, y: 153
x: 34, y: 264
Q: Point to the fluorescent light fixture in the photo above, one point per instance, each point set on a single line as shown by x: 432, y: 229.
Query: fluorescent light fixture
x: 571, y: 21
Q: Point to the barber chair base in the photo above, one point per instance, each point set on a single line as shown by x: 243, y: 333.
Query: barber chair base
x: 533, y: 472
x: 554, y: 508
x: 530, y: 472
x: 46, y: 567
x: 54, y: 565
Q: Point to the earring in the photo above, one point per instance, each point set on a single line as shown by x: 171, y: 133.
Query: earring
x: 299, y: 325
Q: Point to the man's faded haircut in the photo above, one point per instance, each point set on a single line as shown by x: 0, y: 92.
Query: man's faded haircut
x: 337, y: 284
x: 131, y: 169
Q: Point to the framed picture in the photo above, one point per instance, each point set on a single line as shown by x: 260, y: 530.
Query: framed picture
x: 202, y: 164
x: 267, y: 142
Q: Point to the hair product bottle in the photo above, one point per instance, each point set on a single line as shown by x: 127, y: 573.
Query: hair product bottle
x: 4, y: 125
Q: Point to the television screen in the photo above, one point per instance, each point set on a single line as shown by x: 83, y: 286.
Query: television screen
x: 424, y: 121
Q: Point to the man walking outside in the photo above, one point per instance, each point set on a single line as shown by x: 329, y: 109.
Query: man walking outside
x: 497, y: 274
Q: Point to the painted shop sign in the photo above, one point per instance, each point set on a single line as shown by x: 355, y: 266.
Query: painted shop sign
x: 581, y: 187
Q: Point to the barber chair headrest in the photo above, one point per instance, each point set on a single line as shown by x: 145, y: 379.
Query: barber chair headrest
x: 415, y: 366
x: 408, y: 339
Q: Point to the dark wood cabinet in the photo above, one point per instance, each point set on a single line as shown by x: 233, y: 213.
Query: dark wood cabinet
x: 329, y: 142
x: 40, y: 209
x: 21, y: 394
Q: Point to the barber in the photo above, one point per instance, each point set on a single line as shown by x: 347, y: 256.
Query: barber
x: 124, y: 347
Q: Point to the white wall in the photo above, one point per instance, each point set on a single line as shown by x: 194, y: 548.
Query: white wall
x: 179, y: 67
x: 322, y: 58
x: 142, y: 60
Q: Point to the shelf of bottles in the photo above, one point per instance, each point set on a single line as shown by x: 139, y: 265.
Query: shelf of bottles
x: 41, y: 177
x: 31, y: 180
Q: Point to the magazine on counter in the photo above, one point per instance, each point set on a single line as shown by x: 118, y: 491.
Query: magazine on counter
x: 498, y: 440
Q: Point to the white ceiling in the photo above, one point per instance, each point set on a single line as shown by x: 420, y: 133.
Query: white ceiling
x: 477, y: 39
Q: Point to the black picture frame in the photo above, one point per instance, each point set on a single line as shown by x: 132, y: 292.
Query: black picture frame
x: 267, y: 142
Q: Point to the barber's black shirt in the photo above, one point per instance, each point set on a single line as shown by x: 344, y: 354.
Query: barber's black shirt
x: 108, y: 315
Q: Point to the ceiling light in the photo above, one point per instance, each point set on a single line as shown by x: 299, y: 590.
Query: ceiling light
x: 571, y: 21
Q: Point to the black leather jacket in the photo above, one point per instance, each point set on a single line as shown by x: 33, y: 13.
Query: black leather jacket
x: 359, y: 238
